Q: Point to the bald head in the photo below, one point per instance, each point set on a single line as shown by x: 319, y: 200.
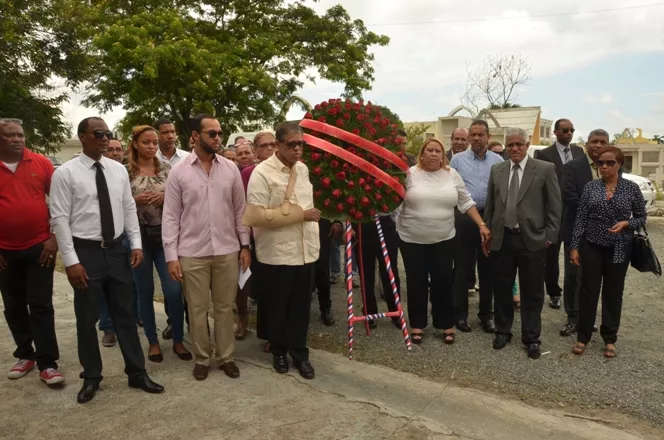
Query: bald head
x: 459, y: 140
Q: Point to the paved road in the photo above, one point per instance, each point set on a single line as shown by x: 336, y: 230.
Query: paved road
x: 347, y: 400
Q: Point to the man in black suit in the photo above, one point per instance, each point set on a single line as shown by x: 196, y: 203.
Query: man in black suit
x: 523, y: 211
x: 576, y: 174
x: 558, y: 154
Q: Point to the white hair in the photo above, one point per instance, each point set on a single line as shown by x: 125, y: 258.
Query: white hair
x: 516, y: 132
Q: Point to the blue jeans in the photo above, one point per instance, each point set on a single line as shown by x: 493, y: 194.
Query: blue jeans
x: 105, y: 322
x: 335, y: 259
x: 144, y: 277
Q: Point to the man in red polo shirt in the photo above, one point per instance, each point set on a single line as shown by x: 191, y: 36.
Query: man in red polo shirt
x: 27, y: 255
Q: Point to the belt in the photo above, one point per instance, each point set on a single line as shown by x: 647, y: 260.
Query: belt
x: 514, y: 231
x: 82, y: 242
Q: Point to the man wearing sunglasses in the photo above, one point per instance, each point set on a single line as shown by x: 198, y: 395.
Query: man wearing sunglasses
x: 560, y: 153
x: 91, y: 211
x: 27, y: 255
x: 204, y: 238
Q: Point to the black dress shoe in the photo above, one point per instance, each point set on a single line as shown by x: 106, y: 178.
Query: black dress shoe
x: 463, y: 326
x: 489, y: 326
x: 145, y: 383
x: 184, y: 356
x: 280, y: 364
x: 501, y: 341
x: 554, y: 303
x: 327, y: 318
x: 534, y: 351
x: 568, y: 329
x: 373, y: 324
x: 167, y: 333
x: 87, y: 392
x: 305, y: 369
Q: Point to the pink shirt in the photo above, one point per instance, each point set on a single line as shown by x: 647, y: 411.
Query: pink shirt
x: 246, y: 174
x: 203, y: 213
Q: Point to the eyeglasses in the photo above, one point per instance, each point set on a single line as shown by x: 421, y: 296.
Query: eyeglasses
x: 267, y: 145
x: 608, y: 163
x: 294, y: 144
x: 214, y: 133
x: 99, y: 134
x: 567, y: 130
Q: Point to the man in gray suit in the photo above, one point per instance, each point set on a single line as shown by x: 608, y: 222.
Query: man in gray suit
x: 523, y: 210
x: 561, y: 152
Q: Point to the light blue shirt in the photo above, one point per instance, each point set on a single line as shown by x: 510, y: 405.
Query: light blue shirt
x: 475, y: 172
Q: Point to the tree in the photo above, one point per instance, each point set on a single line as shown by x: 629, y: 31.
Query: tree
x: 415, y: 134
x: 658, y: 138
x: 495, y: 82
x: 36, y: 44
x: 237, y: 59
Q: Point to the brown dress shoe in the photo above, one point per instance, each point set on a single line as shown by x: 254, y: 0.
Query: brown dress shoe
x: 201, y: 372
x: 241, y: 330
x: 230, y: 369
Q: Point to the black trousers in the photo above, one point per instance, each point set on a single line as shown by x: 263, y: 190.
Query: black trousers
x: 322, y: 270
x: 571, y: 289
x: 552, y: 271
x: 514, y: 255
x: 27, y: 292
x: 600, y: 274
x: 109, y: 274
x: 371, y: 251
x: 436, y: 262
x: 469, y: 254
x: 261, y: 289
x: 289, y: 303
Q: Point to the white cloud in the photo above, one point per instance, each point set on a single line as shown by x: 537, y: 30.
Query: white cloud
x: 606, y: 98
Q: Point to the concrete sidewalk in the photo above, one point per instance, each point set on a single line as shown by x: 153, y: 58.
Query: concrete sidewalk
x: 347, y: 400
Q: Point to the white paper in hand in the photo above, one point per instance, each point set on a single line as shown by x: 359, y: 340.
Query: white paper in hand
x: 244, y: 276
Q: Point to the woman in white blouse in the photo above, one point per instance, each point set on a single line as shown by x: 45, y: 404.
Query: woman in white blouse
x: 428, y: 244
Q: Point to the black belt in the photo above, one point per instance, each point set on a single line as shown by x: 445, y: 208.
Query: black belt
x: 81, y: 242
x: 513, y: 230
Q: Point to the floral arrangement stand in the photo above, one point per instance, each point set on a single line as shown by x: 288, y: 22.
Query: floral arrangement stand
x: 355, y: 178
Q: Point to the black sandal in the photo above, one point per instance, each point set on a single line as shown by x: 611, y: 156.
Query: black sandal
x: 448, y: 338
x: 416, y: 337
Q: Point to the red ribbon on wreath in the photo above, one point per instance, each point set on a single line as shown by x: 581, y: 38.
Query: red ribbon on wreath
x: 362, y: 164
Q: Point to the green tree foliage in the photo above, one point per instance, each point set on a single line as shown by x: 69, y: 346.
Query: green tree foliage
x: 238, y: 59
x: 37, y: 44
x: 415, y: 134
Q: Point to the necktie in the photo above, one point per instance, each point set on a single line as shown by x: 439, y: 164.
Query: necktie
x: 105, y: 209
x: 512, y: 195
x: 566, y: 154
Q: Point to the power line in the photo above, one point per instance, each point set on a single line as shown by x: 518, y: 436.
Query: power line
x: 559, y: 14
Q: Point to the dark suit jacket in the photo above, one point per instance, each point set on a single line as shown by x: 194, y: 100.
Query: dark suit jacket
x: 449, y: 154
x: 550, y: 154
x: 576, y: 174
x: 538, y: 208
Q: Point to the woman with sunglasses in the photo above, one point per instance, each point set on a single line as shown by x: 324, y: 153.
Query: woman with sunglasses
x: 147, y: 177
x: 609, y: 212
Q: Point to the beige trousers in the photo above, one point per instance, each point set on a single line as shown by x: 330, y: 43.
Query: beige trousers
x: 218, y: 275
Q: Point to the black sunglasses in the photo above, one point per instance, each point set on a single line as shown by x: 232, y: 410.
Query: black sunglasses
x: 214, y: 133
x: 99, y: 134
x: 567, y: 130
x: 294, y: 144
x: 608, y: 163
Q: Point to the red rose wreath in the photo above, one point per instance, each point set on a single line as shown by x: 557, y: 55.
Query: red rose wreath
x: 353, y: 155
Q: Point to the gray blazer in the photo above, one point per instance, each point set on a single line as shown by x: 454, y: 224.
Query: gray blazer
x: 539, y: 206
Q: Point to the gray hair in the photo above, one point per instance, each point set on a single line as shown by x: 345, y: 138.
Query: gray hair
x: 516, y: 132
x: 598, y: 132
x: 5, y: 121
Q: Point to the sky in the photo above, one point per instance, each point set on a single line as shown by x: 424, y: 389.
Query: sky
x: 599, y: 63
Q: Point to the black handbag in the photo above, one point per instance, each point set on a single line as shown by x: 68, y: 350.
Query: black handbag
x: 643, y: 255
x: 151, y: 236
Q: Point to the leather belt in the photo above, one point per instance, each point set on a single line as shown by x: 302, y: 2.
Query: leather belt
x: 514, y: 231
x: 82, y: 242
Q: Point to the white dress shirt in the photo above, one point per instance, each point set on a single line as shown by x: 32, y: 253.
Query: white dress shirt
x: 292, y: 245
x: 522, y: 165
x: 177, y: 157
x: 74, y: 204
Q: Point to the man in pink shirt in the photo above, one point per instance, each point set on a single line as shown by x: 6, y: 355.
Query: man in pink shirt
x: 202, y: 233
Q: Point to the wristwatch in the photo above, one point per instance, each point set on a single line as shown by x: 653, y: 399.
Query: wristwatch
x: 245, y: 246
